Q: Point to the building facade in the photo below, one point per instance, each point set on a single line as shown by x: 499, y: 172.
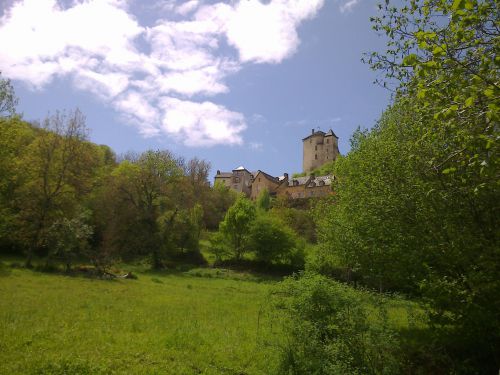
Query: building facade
x: 305, y: 187
x: 240, y: 179
x: 263, y: 181
x: 319, y: 148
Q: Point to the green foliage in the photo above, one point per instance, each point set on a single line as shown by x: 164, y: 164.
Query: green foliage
x: 328, y: 330
x: 325, y: 170
x: 300, y: 220
x: 68, y: 238
x: 273, y: 242
x: 8, y: 99
x: 440, y: 209
x: 236, y: 225
x: 219, y: 246
x: 219, y: 199
x: 263, y: 201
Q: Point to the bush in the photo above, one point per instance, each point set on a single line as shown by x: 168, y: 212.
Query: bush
x: 328, y: 330
x: 273, y: 242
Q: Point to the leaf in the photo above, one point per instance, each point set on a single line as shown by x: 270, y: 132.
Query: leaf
x: 411, y: 59
x: 489, y: 92
x: 449, y: 170
x: 458, y: 4
x: 469, y: 102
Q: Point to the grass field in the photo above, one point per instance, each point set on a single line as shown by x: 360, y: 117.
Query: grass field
x: 196, y: 321
x: 158, y: 324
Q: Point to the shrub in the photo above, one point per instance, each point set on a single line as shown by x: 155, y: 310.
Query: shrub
x: 328, y: 330
x: 272, y: 241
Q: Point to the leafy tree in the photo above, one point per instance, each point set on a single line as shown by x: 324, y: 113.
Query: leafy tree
x: 59, y: 167
x: 443, y: 57
x: 143, y: 186
x: 236, y: 225
x: 219, y: 246
x: 67, y: 239
x: 263, y: 200
x: 218, y: 201
x: 8, y: 99
x: 272, y: 241
x: 15, y: 136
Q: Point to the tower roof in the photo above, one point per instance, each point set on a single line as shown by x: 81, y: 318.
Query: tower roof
x: 320, y: 133
x: 329, y: 133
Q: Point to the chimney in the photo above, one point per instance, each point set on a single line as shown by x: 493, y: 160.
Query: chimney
x: 218, y: 172
x: 312, y: 131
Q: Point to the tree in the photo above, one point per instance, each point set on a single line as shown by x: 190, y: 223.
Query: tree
x: 15, y: 137
x: 58, y: 171
x: 443, y: 57
x: 8, y: 99
x: 236, y: 225
x: 143, y: 187
x: 68, y: 239
x: 272, y: 241
x: 264, y: 200
x: 218, y: 201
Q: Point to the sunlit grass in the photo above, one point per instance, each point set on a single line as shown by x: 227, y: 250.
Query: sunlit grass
x: 165, y: 324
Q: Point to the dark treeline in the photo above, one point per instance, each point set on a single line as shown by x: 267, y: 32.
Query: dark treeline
x: 64, y: 198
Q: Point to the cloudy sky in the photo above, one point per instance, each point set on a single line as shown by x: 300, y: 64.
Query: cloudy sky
x: 237, y: 82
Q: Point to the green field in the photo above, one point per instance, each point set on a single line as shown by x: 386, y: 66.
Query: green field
x: 195, y: 321
x: 158, y: 324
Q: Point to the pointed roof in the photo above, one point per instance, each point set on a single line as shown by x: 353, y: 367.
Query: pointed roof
x: 329, y: 133
x: 266, y: 175
x: 315, y: 133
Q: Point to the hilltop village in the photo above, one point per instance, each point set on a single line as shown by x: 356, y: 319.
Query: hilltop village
x: 318, y: 148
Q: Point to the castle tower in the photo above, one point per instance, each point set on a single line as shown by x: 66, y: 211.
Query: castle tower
x: 319, y: 148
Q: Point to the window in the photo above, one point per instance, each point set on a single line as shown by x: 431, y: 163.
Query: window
x: 316, y: 156
x: 316, y: 148
x: 327, y: 141
x: 236, y: 179
x: 259, y: 179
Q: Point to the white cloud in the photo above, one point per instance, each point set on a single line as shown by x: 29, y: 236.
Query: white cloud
x: 201, y: 124
x: 150, y: 75
x: 187, y: 7
x: 348, y: 5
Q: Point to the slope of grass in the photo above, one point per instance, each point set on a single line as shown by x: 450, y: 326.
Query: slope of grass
x: 159, y: 324
x: 184, y: 321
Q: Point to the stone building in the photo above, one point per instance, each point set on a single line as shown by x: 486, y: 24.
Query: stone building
x: 319, y: 148
x: 240, y: 179
x: 305, y: 187
x: 262, y: 181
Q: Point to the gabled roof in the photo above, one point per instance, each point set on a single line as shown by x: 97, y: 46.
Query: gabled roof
x: 266, y: 175
x: 300, y: 180
x: 327, y: 180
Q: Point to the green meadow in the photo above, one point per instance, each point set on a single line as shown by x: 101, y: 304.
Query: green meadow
x: 195, y: 321
x: 179, y: 323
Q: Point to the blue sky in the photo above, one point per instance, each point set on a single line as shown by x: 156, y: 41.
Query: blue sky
x: 233, y: 82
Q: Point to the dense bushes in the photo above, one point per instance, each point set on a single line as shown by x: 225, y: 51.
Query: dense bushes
x: 330, y: 329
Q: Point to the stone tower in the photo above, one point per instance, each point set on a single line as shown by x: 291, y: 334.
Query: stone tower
x: 319, y: 148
